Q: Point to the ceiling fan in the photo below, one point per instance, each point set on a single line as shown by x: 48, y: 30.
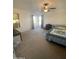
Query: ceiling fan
x: 46, y: 7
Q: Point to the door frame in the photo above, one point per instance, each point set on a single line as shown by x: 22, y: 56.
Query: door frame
x: 42, y: 22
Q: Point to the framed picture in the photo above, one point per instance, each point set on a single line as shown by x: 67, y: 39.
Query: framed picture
x: 16, y: 20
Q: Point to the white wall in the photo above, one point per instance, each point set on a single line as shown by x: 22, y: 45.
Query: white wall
x: 58, y: 15
x: 24, y: 8
x: 25, y: 19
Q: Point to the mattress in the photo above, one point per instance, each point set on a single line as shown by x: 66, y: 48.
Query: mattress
x: 59, y: 32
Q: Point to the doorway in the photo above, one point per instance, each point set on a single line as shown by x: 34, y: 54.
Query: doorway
x: 37, y: 22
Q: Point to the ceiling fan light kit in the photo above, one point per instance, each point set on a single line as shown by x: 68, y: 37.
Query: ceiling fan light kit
x: 46, y: 10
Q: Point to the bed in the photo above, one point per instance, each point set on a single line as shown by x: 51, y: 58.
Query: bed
x: 57, y: 35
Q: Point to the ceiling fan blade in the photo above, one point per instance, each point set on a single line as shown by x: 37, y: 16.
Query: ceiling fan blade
x: 52, y: 8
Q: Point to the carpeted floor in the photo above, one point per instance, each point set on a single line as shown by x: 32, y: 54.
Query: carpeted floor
x: 35, y: 46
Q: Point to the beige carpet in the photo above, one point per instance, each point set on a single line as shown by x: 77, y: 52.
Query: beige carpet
x: 35, y: 46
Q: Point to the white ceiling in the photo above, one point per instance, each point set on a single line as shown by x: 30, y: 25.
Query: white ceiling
x: 34, y: 6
